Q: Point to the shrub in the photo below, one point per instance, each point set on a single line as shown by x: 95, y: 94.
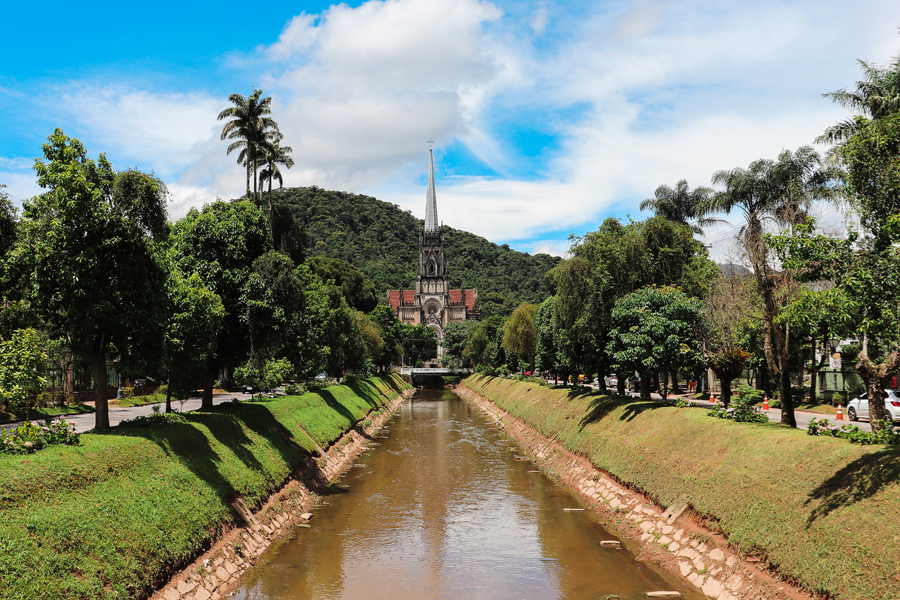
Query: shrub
x: 30, y: 437
x: 741, y: 410
x: 264, y: 376
x: 751, y: 394
x: 154, y: 420
x: 128, y: 392
x: 824, y: 427
x: 292, y: 389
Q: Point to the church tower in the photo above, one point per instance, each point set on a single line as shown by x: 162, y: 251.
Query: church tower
x: 432, y: 302
x: 432, y: 279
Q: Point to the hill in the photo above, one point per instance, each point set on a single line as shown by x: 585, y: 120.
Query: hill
x: 382, y: 241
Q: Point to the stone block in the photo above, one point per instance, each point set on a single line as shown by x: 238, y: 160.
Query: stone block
x: 647, y: 526
x: 615, y: 503
x: 222, y: 574
x: 667, y: 529
x: 678, y: 535
x: 202, y: 594
x: 674, y: 546
x: 185, y: 587
x: 699, y: 564
x: 685, y: 567
x: 665, y: 541
x: 717, y: 554
x: 696, y: 579
x: 731, y: 561
x: 712, y: 588
x: 702, y: 548
x: 735, y: 583
x: 171, y: 594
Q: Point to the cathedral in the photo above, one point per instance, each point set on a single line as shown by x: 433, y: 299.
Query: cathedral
x: 433, y: 303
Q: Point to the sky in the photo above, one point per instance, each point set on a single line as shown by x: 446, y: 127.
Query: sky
x: 547, y: 117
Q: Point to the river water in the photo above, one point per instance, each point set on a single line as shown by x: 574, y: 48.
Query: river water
x: 442, y: 510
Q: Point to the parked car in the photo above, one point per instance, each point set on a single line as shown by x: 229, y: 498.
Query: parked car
x: 858, y: 408
x: 636, y: 384
x: 611, y: 381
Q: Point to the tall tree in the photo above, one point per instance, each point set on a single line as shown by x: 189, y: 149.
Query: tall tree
x: 875, y: 97
x: 220, y: 243
x: 251, y: 127
x: 8, y: 219
x: 274, y: 155
x: 520, y: 335
x: 85, y: 250
x: 682, y: 205
x: 771, y: 190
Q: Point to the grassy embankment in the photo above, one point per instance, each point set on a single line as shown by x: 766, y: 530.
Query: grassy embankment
x: 115, y: 516
x: 821, y: 510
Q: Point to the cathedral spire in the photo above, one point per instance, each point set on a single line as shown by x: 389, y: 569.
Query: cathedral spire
x: 431, y: 218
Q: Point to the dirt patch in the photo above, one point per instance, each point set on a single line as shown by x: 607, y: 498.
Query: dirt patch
x: 669, y: 536
x: 219, y: 570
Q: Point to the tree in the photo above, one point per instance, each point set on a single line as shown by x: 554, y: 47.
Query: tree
x: 22, y: 367
x: 85, y: 251
x: 288, y: 234
x: 273, y: 155
x: 520, y: 335
x: 391, y: 336
x: 777, y: 191
x: 8, y: 219
x: 456, y: 338
x: 681, y: 205
x: 355, y: 287
x: 655, y: 329
x: 250, y: 126
x: 272, y: 300
x: 263, y: 375
x: 194, y: 317
x: 876, y: 97
x: 220, y: 243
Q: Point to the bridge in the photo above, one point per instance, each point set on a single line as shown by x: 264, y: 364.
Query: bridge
x: 434, y: 371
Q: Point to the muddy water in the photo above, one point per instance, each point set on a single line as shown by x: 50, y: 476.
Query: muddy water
x: 443, y: 510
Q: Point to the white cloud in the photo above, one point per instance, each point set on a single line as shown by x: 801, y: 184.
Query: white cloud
x: 663, y: 91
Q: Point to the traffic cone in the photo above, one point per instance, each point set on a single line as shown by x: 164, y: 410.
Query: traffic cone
x: 840, y: 414
x: 711, y: 397
x: 766, y: 402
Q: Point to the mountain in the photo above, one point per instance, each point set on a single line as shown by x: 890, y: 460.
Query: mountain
x: 382, y: 241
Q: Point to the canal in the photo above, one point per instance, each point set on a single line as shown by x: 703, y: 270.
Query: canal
x: 442, y: 509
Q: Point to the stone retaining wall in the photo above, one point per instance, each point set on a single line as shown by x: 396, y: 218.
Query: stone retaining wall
x: 669, y: 536
x: 219, y: 570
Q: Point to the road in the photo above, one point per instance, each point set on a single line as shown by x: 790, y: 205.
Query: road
x: 85, y: 422
x: 802, y: 417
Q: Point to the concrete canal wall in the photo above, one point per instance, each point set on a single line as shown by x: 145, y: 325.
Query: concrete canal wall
x: 740, y: 510
x: 121, y: 514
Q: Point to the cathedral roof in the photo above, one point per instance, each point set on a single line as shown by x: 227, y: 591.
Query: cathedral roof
x: 456, y: 298
x: 431, y: 216
x: 394, y: 297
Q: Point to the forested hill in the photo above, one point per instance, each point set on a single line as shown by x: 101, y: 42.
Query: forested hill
x: 382, y: 241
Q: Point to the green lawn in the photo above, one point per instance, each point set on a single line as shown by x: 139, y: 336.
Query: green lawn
x: 820, y: 509
x: 114, y: 517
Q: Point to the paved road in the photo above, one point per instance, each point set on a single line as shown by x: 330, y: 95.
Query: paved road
x: 85, y: 422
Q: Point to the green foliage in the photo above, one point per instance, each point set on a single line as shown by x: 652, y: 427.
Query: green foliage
x: 520, y: 334
x: 456, y: 339
x: 382, y: 242
x: 356, y: 288
x: 86, y: 251
x: 8, y: 219
x: 653, y: 330
x: 154, y: 420
x: 263, y: 376
x: 30, y: 437
x: 742, y: 410
x: 22, y: 365
x: 884, y: 435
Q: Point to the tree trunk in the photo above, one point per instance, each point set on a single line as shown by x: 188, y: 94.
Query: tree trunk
x: 725, y: 380
x: 675, y: 381
x: 207, y: 398
x: 101, y: 406
x: 271, y: 232
x: 800, y: 383
x: 620, y: 384
x: 645, y: 386
x: 877, y: 377
x: 169, y: 393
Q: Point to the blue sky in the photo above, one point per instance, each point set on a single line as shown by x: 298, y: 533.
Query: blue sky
x: 547, y: 116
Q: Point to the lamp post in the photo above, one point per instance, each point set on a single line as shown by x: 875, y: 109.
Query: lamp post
x: 120, y: 395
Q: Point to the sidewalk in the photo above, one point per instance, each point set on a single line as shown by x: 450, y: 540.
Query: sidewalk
x: 85, y: 421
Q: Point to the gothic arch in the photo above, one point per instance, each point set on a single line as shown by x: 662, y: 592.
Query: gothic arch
x: 438, y: 332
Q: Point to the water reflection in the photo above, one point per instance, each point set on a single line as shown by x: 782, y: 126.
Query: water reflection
x: 442, y: 510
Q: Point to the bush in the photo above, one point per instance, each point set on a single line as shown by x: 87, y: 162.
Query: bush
x: 154, y: 420
x: 128, y: 392
x: 750, y: 394
x: 824, y: 427
x: 292, y: 389
x: 837, y: 399
x: 741, y: 410
x: 265, y: 376
x: 30, y: 437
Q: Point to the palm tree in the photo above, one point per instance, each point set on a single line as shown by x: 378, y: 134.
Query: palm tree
x: 875, y: 97
x: 274, y: 154
x: 780, y: 191
x: 681, y: 205
x: 250, y: 126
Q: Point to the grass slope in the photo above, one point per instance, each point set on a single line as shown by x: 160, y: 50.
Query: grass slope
x: 115, y: 516
x: 822, y: 510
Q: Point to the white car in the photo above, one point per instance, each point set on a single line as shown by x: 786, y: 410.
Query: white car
x: 612, y: 381
x: 858, y: 408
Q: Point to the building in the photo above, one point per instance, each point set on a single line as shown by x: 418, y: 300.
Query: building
x: 432, y: 302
